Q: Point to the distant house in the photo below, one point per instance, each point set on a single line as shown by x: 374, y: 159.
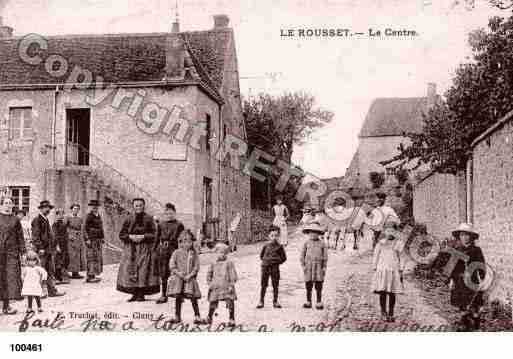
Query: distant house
x: 386, y: 124
x: 56, y: 145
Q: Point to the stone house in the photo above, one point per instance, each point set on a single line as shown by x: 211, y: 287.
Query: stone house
x: 116, y: 116
x: 384, y: 128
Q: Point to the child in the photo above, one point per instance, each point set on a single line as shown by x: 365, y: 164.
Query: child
x: 314, y: 260
x: 388, y: 273
x: 33, y: 276
x: 272, y: 256
x: 281, y: 214
x: 221, y: 278
x: 184, y: 267
x: 60, y: 232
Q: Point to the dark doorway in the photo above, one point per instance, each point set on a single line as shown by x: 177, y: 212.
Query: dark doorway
x: 207, y: 208
x: 78, y: 127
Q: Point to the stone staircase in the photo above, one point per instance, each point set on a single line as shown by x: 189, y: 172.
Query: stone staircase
x: 71, y: 183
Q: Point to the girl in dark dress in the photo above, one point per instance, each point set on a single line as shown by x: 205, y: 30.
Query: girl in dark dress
x: 12, y: 246
x: 467, y: 296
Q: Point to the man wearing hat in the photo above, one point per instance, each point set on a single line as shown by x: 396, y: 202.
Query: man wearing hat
x: 94, y: 238
x: 464, y: 296
x: 45, y: 245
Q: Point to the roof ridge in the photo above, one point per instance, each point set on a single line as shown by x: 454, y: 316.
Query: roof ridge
x: 113, y: 35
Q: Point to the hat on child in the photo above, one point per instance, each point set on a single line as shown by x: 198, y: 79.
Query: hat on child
x: 222, y: 248
x: 467, y: 228
x: 313, y: 227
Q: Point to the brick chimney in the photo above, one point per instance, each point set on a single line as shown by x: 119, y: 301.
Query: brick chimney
x: 221, y: 21
x: 175, y: 53
x: 5, y: 31
x: 431, y: 95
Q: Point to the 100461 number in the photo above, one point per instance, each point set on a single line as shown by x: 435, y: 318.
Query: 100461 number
x: 26, y: 347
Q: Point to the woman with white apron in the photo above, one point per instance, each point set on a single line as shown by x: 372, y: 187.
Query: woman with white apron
x: 281, y: 213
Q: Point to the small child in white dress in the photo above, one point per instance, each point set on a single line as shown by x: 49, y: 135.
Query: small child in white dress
x: 388, y: 270
x: 33, y: 276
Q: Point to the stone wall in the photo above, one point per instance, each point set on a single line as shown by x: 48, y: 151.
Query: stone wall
x: 439, y: 201
x: 493, y: 206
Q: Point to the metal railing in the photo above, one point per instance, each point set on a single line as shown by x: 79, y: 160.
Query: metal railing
x: 77, y: 155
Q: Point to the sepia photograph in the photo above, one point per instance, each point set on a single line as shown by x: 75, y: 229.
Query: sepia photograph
x: 274, y: 166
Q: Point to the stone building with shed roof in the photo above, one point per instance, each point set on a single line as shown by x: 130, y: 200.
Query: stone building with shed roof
x: 112, y: 117
x: 384, y: 129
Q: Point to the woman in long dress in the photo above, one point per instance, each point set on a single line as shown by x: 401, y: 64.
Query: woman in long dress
x: 76, y: 249
x: 137, y: 273
x: 12, y: 246
x: 281, y: 214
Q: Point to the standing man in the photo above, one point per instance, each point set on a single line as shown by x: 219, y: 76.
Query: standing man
x: 167, y: 242
x: 137, y: 273
x: 94, y: 238
x: 45, y: 245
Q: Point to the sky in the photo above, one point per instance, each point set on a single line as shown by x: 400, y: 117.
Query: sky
x: 344, y: 74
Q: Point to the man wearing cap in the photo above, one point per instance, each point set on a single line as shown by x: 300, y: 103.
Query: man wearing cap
x: 45, y: 245
x: 94, y: 238
x: 168, y: 232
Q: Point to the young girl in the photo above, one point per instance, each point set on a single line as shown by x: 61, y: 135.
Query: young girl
x: 184, y: 267
x: 314, y: 260
x: 388, y: 270
x: 33, y: 276
x: 221, y: 278
x: 281, y: 214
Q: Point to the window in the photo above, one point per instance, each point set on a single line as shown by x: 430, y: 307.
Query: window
x: 391, y: 171
x: 20, y: 123
x: 208, y: 127
x: 21, y: 197
x: 225, y: 131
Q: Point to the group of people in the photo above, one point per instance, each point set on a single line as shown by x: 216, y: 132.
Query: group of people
x: 36, y: 257
x: 381, y: 222
x: 162, y: 256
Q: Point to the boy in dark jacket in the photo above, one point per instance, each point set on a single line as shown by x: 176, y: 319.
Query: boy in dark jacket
x: 272, y: 256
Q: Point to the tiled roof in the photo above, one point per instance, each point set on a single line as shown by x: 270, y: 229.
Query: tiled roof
x: 119, y: 58
x: 394, y: 117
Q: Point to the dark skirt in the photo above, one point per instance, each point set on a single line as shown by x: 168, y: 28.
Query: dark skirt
x: 10, y: 277
x: 164, y: 254
x: 462, y: 296
x: 137, y: 273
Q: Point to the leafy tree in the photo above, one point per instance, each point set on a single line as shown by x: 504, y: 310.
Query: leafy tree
x: 402, y: 176
x: 275, y: 124
x: 481, y: 93
x: 377, y: 179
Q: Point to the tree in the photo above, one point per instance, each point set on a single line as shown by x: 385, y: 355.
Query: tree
x: 481, y: 93
x: 402, y: 175
x: 275, y: 124
x: 377, y: 179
